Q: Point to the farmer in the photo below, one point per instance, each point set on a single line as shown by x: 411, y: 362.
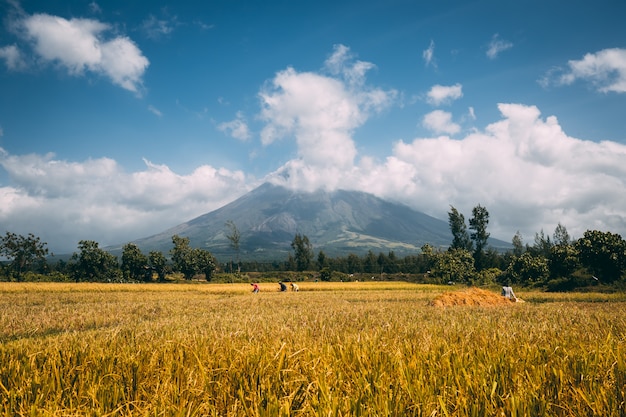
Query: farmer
x: 283, y: 287
x: 255, y: 287
x: 294, y: 287
x: 507, y: 292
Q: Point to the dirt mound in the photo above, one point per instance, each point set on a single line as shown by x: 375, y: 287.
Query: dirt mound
x: 471, y: 297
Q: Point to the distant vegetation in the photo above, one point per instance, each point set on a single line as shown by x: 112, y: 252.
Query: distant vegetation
x: 558, y: 263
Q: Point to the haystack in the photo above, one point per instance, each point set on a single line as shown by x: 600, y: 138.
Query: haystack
x: 471, y: 297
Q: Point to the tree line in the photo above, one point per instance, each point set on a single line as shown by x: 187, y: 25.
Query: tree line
x: 556, y: 262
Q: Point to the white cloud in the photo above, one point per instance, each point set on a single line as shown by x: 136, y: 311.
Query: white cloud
x: 155, y: 28
x: 236, y: 128
x: 12, y: 57
x: 443, y: 94
x: 439, y: 121
x: 321, y: 112
x: 64, y: 202
x: 496, y: 46
x: 95, y: 8
x: 79, y: 45
x: 605, y: 69
x: 429, y: 55
x: 155, y: 111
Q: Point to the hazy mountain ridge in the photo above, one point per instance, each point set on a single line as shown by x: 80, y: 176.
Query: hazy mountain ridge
x: 338, y: 222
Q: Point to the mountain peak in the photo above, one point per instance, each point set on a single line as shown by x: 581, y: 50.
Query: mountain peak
x: 337, y: 222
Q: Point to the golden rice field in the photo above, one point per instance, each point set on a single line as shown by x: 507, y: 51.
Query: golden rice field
x: 332, y: 349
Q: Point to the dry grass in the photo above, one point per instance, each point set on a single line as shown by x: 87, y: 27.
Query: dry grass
x: 334, y: 349
x: 471, y: 297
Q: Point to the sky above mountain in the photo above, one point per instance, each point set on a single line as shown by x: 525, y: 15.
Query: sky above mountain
x: 121, y: 119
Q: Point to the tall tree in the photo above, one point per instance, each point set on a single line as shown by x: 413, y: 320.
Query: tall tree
x: 603, y: 254
x: 478, y: 223
x: 234, y: 237
x: 205, y: 262
x: 22, y: 251
x: 182, y: 257
x: 134, y: 263
x: 560, y: 236
x: 94, y: 264
x: 158, y: 264
x: 322, y: 260
x: 303, y: 251
x: 460, y: 237
x: 518, y: 244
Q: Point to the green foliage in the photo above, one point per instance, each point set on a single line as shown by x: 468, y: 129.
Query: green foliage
x: 603, y: 254
x: 460, y: 237
x: 22, y: 252
x: 456, y: 265
x: 94, y: 264
x: 326, y: 274
x: 563, y: 260
x: 191, y: 261
x: 518, y: 244
x: 303, y: 252
x: 478, y: 223
x: 158, y: 264
x: 135, y: 263
x: 527, y: 269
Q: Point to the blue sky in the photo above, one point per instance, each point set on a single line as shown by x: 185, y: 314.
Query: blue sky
x: 121, y: 119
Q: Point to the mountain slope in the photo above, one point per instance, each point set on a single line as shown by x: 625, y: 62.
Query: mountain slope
x: 339, y: 223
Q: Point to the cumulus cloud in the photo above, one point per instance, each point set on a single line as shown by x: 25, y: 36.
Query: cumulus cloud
x: 321, y: 112
x: 496, y: 46
x: 605, y: 70
x: 440, y: 121
x: 96, y: 199
x: 80, y: 45
x: 12, y: 57
x: 444, y: 94
x: 236, y: 128
x: 524, y: 169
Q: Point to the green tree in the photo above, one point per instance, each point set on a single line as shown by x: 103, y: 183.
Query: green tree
x: 542, y: 245
x: 354, y: 264
x: 182, y: 257
x: 22, y: 252
x: 518, y: 244
x: 369, y: 263
x: 563, y: 260
x: 603, y: 254
x: 234, y: 237
x: 322, y: 260
x: 205, y: 262
x: 456, y: 265
x: 460, y: 237
x: 134, y: 263
x: 94, y: 264
x: 303, y: 252
x: 158, y: 264
x: 527, y: 269
x: 478, y: 223
x: 560, y: 236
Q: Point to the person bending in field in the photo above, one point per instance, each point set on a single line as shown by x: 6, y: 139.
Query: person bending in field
x: 283, y: 287
x: 255, y: 287
x: 507, y: 292
x: 294, y: 287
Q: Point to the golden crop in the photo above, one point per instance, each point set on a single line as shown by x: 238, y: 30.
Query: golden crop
x: 332, y: 349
